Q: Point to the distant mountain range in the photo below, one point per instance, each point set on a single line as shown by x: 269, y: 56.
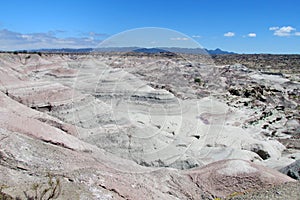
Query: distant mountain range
x: 138, y: 50
x: 183, y: 50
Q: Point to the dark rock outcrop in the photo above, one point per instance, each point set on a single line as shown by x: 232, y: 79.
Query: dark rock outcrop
x: 292, y: 170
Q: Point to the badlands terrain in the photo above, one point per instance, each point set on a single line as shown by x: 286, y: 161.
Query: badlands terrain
x: 149, y: 126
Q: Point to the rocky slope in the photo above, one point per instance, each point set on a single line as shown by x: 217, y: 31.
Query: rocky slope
x: 135, y: 126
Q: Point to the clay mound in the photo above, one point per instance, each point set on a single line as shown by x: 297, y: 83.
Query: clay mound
x: 226, y: 177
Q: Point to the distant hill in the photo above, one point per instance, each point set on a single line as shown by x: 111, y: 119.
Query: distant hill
x: 150, y: 50
x: 63, y: 50
x: 138, y: 50
x: 197, y: 51
x: 219, y: 52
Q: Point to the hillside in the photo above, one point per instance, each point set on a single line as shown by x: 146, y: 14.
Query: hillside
x: 148, y: 126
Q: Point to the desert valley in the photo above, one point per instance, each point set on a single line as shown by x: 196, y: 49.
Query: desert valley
x: 133, y: 125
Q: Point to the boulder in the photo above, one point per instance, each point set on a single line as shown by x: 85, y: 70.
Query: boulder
x: 292, y: 170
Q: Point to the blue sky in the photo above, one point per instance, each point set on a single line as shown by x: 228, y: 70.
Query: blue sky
x: 258, y: 26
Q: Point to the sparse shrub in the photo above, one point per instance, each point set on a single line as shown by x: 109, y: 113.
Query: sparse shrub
x: 48, y: 191
x: 235, y: 194
x: 4, y: 196
x: 41, y: 192
x: 197, y: 80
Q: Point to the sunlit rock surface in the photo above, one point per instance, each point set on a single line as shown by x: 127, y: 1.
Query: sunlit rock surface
x: 144, y: 127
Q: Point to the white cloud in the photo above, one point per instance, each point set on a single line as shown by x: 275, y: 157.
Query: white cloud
x: 252, y: 35
x: 10, y: 40
x: 180, y: 38
x: 297, y: 33
x: 273, y: 28
x: 196, y: 36
x: 283, y: 31
x: 229, y: 34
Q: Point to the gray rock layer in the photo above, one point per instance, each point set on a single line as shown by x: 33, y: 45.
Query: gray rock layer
x: 292, y: 170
